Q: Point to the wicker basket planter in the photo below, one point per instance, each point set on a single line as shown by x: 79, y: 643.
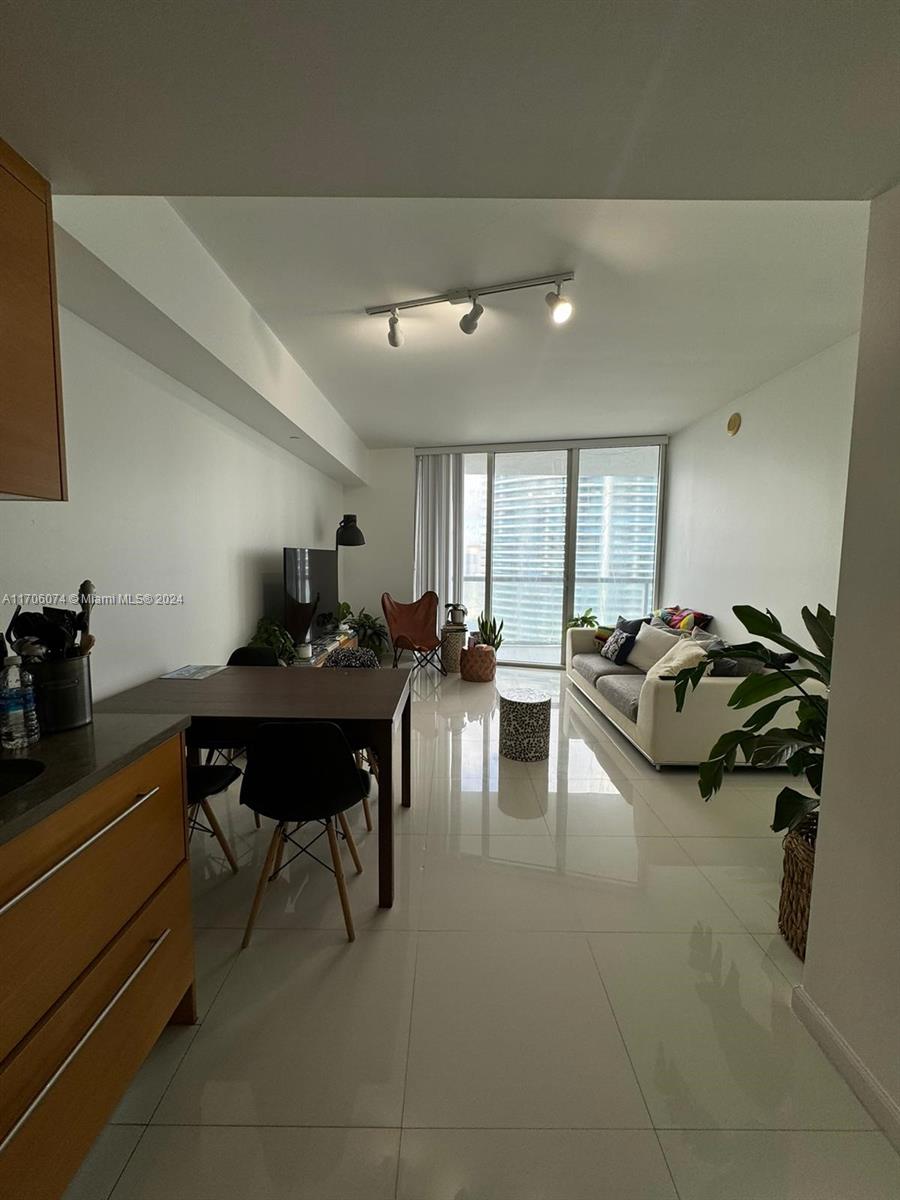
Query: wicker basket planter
x: 796, y: 884
x: 478, y: 665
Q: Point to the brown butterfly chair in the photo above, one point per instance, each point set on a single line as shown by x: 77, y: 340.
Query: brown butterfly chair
x: 414, y: 627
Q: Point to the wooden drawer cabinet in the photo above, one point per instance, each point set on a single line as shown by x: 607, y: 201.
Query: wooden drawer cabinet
x: 71, y: 883
x: 32, y: 462
x: 59, y: 1087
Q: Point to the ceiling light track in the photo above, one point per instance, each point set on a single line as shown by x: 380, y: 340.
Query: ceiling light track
x: 467, y: 295
x: 560, y: 305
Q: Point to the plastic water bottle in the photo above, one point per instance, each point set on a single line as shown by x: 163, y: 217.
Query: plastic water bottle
x: 19, y: 727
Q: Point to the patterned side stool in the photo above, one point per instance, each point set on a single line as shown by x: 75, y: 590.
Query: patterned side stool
x: 453, y: 638
x: 525, y: 724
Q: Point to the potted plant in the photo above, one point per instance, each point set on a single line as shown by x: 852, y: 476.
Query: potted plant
x: 273, y: 633
x: 798, y: 744
x: 343, y: 614
x: 478, y: 664
x: 585, y: 620
x: 371, y: 632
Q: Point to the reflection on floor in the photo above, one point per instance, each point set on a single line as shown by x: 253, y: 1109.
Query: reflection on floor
x: 579, y: 992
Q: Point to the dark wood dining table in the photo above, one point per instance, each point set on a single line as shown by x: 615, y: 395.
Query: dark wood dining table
x: 236, y: 699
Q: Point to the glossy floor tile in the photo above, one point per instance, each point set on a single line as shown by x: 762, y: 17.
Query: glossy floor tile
x: 308, y: 1029
x: 514, y: 1031
x: 708, y: 1024
x: 640, y: 883
x: 105, y: 1163
x: 746, y: 872
x: 579, y: 950
x: 194, y: 1163
x: 495, y: 882
x: 741, y: 1165
x: 532, y: 1164
x: 733, y: 812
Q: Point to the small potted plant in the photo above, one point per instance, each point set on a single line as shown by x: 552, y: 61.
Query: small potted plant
x: 798, y: 744
x: 274, y: 635
x: 478, y: 664
x: 371, y: 632
x: 585, y: 620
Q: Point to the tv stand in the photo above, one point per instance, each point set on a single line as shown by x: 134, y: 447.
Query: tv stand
x: 322, y: 647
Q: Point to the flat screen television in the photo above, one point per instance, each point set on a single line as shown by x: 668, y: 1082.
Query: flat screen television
x: 310, y: 592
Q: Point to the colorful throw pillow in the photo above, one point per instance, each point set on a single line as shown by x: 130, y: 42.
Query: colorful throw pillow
x: 682, y: 619
x: 618, y: 645
x: 601, y: 633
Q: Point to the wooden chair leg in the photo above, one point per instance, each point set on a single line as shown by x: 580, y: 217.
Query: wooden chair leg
x: 274, y: 845
x: 218, y: 834
x: 367, y: 813
x: 339, y: 877
x: 348, y: 835
x: 279, y: 853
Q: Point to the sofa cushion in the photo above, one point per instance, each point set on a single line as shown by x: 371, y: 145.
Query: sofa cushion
x: 650, y: 645
x: 623, y: 692
x: 592, y: 666
x: 685, y: 653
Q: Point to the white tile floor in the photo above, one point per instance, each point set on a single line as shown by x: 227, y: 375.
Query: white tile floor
x: 579, y: 993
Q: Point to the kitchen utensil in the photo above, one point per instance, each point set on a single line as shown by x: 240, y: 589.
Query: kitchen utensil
x: 86, y: 602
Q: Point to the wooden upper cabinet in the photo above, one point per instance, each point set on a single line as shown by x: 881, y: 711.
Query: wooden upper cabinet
x: 32, y: 453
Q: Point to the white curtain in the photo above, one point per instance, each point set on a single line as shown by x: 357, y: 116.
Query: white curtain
x: 439, y: 527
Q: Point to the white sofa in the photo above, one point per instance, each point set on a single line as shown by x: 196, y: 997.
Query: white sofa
x: 662, y: 734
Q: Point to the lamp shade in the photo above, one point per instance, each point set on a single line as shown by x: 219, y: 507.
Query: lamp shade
x: 349, y: 533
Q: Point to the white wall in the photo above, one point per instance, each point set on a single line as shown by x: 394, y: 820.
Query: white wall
x: 386, y: 512
x: 756, y: 519
x: 852, y: 975
x: 167, y: 494
x: 144, y: 241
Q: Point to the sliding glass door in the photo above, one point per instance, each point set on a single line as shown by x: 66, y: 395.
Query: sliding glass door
x: 550, y: 531
x: 616, y: 530
x: 528, y: 552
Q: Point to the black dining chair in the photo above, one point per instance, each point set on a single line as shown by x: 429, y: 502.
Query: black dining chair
x: 253, y: 656
x: 358, y: 658
x: 223, y: 747
x: 302, y: 773
x: 202, y: 783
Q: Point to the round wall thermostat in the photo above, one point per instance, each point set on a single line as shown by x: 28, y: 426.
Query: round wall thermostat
x: 734, y: 424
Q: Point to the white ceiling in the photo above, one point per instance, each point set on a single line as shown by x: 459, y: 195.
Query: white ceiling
x: 710, y: 99
x: 681, y: 306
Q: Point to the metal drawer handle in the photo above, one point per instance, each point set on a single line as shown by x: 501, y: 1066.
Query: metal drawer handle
x: 141, y: 799
x: 83, y: 1040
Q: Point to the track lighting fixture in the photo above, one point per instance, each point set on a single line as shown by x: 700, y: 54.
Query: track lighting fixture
x: 395, y: 333
x: 560, y: 305
x: 469, y: 323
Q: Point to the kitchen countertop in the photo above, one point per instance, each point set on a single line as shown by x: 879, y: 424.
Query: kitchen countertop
x: 79, y: 759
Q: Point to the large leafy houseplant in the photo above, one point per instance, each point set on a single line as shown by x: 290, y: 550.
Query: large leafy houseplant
x: 780, y: 689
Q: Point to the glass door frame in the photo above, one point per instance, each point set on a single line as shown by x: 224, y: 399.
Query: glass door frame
x: 573, y: 448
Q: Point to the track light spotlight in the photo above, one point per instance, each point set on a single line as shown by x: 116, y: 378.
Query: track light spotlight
x: 469, y: 323
x: 395, y: 333
x: 560, y: 306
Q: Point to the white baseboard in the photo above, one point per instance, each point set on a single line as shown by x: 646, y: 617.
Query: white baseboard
x: 882, y: 1107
